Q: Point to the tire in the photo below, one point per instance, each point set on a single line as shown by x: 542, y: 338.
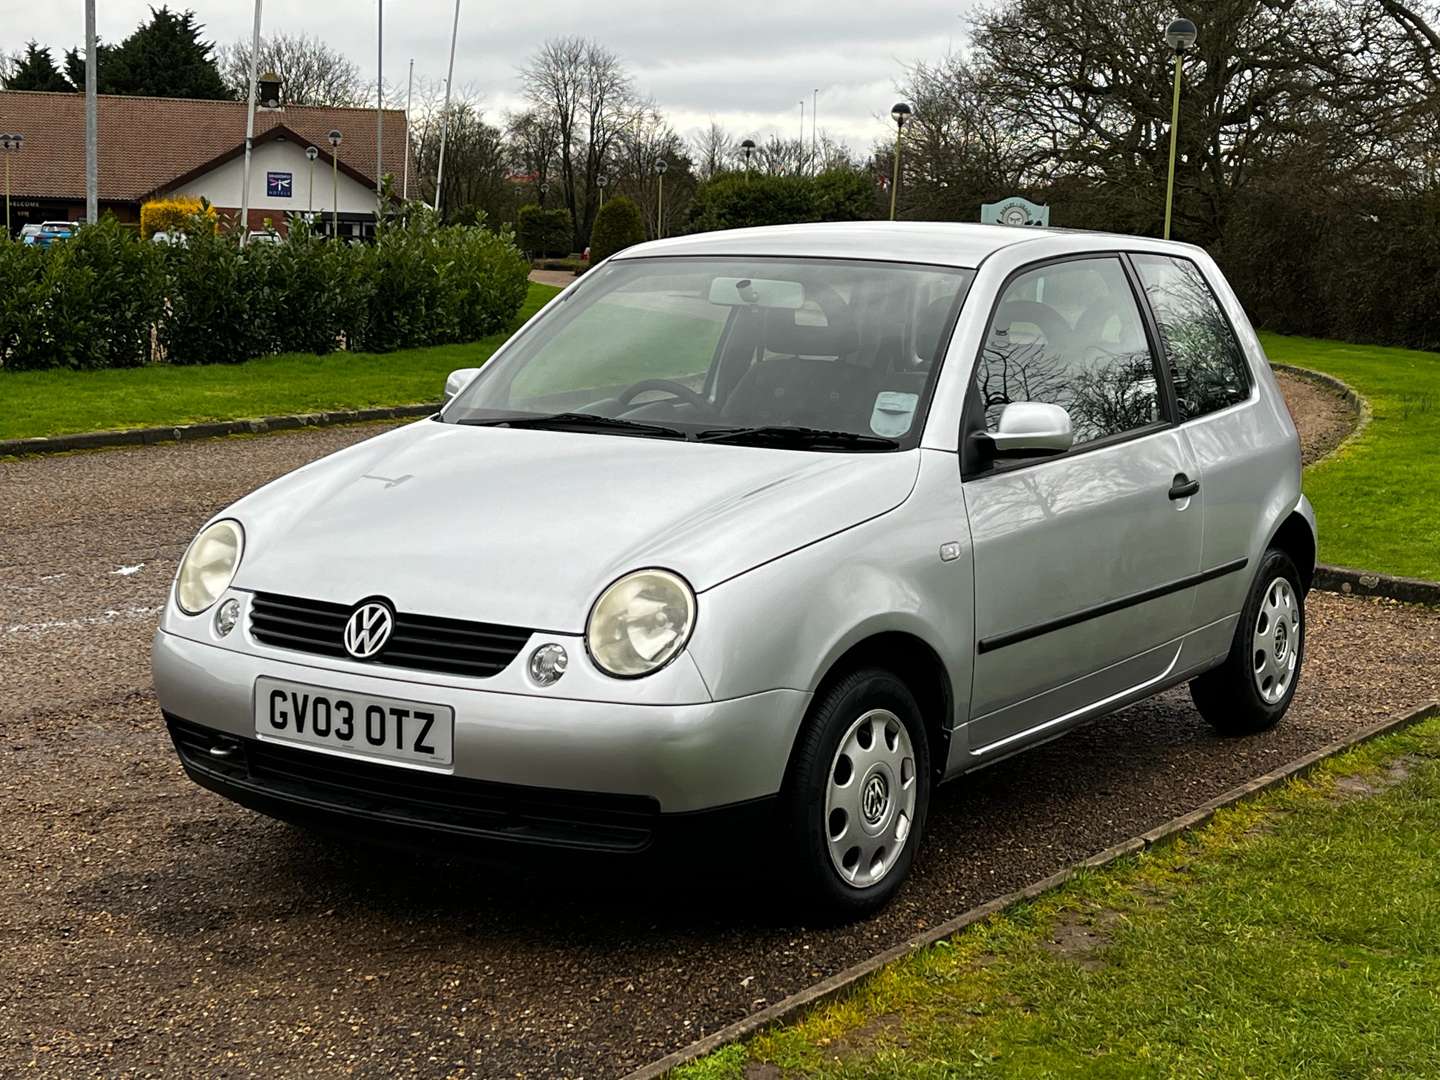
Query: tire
x: 1251, y: 690
x: 874, y: 814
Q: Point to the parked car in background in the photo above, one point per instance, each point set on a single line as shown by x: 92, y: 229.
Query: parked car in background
x: 168, y: 237
x: 264, y: 236
x: 28, y: 233
x: 53, y: 231
x: 759, y: 536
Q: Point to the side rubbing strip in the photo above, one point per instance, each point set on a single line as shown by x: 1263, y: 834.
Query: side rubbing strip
x: 999, y: 641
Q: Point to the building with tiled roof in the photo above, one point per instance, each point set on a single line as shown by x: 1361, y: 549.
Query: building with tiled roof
x: 150, y: 147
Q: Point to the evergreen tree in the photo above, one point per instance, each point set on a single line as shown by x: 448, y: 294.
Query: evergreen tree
x: 36, y: 70
x: 162, y: 58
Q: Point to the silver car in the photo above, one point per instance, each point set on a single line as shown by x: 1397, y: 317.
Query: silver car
x: 769, y: 530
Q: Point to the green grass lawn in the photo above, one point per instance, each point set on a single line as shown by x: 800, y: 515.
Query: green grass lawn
x: 1378, y: 501
x: 58, y: 402
x: 1297, y: 935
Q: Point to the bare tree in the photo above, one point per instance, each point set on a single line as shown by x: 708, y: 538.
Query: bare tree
x: 638, y: 150
x: 582, y: 90
x: 534, y: 142
x: 311, y: 72
x: 715, y: 151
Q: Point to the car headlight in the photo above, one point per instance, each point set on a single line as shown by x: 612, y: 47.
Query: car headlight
x: 209, y: 566
x: 640, y: 623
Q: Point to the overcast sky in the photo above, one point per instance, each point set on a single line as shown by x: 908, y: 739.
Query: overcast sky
x: 744, y: 63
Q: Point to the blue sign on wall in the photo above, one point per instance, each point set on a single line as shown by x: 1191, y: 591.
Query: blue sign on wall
x: 278, y: 185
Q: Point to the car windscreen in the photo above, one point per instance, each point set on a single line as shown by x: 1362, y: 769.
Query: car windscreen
x: 738, y: 349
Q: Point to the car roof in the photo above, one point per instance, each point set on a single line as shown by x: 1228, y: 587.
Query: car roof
x: 934, y: 242
x: 937, y: 243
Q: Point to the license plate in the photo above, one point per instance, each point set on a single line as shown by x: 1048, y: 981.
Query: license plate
x: 391, y: 729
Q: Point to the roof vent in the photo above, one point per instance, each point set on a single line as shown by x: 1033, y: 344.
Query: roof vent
x: 269, y: 91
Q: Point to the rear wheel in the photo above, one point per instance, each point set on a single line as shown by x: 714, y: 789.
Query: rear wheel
x: 1251, y: 690
x: 857, y: 793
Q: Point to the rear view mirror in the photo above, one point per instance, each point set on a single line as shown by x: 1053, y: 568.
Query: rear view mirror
x: 757, y: 292
x: 1031, y: 427
x: 458, y: 380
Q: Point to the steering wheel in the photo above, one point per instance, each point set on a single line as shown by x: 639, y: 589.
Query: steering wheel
x: 669, y: 386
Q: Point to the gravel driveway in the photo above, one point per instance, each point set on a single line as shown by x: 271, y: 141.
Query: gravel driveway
x: 148, y: 927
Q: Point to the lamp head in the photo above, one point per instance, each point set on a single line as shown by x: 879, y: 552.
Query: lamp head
x: 661, y: 166
x: 1180, y: 35
x: 312, y: 152
x: 901, y: 113
x: 748, y: 146
x: 334, y: 136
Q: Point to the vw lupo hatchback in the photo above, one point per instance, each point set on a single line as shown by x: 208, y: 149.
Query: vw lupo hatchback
x: 785, y: 525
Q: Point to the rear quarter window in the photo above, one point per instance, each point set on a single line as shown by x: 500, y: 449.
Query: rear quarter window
x: 1207, y: 364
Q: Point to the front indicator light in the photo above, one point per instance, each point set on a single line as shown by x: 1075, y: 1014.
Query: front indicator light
x: 548, y: 663
x: 226, y: 616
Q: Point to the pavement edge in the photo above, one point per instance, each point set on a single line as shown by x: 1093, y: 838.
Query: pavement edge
x: 790, y: 1007
x: 104, y: 440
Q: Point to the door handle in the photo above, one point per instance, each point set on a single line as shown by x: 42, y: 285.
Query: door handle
x: 1182, y: 487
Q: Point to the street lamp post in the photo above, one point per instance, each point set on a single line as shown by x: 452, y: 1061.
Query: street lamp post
x: 660, y: 167
x: 334, y: 138
x: 900, y: 113
x: 747, y: 148
x: 1180, y: 36
x: 312, y: 153
x: 602, y: 181
x: 9, y: 144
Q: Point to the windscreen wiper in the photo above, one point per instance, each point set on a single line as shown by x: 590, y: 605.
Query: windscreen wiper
x: 806, y: 437
x: 574, y: 421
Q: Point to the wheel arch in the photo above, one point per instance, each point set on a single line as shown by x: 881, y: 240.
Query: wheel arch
x: 912, y: 660
x: 1295, y: 536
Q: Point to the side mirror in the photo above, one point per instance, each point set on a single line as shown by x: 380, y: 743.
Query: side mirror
x: 1031, y: 427
x: 458, y: 380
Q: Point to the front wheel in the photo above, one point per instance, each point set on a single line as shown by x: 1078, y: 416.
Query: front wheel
x: 856, y: 795
x: 1251, y: 690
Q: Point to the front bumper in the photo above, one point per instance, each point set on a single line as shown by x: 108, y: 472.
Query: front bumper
x: 682, y: 758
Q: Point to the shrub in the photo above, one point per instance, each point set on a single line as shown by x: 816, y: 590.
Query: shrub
x: 174, y: 214
x: 542, y: 232
x: 618, y: 225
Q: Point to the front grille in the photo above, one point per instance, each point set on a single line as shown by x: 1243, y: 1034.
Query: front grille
x: 435, y: 801
x: 422, y: 642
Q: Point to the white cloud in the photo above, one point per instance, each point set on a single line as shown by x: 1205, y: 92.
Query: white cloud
x: 746, y: 65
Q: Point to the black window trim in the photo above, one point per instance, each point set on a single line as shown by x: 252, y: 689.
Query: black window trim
x: 1251, y: 379
x: 971, y: 467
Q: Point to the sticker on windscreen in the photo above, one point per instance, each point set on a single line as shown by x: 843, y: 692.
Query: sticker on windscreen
x: 893, y: 413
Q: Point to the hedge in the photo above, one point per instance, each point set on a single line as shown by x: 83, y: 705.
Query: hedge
x: 108, y: 299
x: 736, y: 200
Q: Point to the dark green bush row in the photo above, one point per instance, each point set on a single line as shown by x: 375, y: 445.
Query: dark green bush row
x: 109, y: 299
x: 738, y: 200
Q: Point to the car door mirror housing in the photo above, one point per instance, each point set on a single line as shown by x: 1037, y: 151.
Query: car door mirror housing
x: 1031, y: 427
x: 458, y: 379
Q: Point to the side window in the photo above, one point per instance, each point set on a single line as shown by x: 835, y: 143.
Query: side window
x: 1070, y: 334
x: 1206, y: 362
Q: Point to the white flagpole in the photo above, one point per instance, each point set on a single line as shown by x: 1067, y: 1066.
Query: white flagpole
x: 445, y: 116
x: 405, y: 169
x: 379, y: 95
x: 92, y: 121
x: 249, y: 131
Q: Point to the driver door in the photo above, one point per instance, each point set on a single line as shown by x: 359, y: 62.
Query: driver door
x: 1084, y: 560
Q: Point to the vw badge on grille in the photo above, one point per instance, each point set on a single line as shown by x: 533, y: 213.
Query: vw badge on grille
x: 369, y: 628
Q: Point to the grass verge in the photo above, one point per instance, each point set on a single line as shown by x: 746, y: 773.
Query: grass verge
x: 62, y: 402
x: 1376, y: 499
x: 1295, y: 935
